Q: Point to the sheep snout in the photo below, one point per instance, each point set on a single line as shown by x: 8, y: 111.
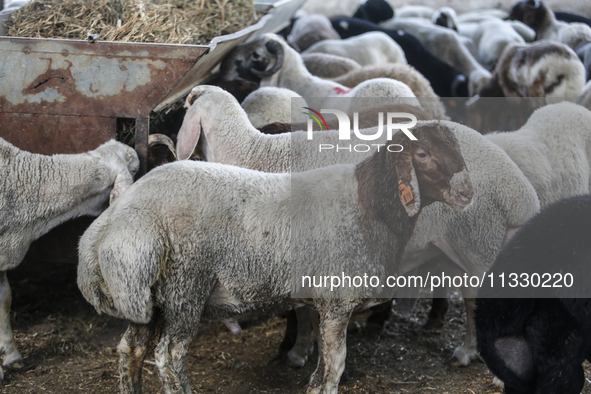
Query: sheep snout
x: 460, y: 193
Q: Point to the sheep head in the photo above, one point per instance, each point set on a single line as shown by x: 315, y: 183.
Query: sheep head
x: 432, y: 164
x: 445, y: 17
x: 122, y: 163
x: 438, y: 165
x: 161, y: 150
x: 531, y: 12
x: 309, y: 29
x: 255, y: 60
x: 205, y: 103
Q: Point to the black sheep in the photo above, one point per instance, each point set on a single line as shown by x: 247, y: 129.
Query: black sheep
x: 537, y: 345
x: 445, y: 80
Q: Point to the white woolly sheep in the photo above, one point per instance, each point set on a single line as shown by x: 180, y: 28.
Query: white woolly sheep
x: 445, y: 17
x: 270, y: 60
x: 38, y: 192
x: 366, y: 49
x: 491, y: 37
x: 414, y: 11
x: 555, y: 162
x: 540, y: 18
x: 551, y: 150
x: 447, y: 45
x: 324, y: 65
x: 405, y: 73
x: 468, y: 241
x: 542, y: 69
x: 504, y: 199
x: 480, y: 15
x: 222, y: 246
x: 271, y: 104
x: 232, y: 139
x: 307, y: 30
x: 584, y: 98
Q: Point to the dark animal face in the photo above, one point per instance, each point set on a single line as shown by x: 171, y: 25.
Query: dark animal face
x: 426, y: 170
x: 530, y: 12
x: 440, y: 168
x: 161, y: 150
x: 253, y: 61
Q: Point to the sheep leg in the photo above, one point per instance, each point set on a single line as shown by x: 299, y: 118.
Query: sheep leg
x: 467, y: 352
x: 12, y: 358
x: 304, y: 345
x: 439, y: 307
x: 291, y: 333
x: 132, y: 352
x: 171, y: 359
x: 332, y: 351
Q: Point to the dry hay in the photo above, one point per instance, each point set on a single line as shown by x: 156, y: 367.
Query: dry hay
x: 156, y: 21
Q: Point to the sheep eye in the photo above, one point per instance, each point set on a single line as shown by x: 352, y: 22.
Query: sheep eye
x: 422, y: 155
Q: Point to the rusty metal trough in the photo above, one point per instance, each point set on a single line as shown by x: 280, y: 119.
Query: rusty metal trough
x: 65, y: 96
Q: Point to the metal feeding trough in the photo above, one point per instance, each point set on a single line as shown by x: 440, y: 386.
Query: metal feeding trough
x: 65, y: 96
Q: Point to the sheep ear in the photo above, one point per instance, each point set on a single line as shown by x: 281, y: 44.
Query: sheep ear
x: 408, y: 184
x: 189, y: 133
x: 122, y: 182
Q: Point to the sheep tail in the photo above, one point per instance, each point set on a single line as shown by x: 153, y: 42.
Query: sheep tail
x: 118, y: 265
x: 501, y: 342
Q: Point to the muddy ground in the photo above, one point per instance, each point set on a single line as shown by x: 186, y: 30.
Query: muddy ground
x: 68, y: 348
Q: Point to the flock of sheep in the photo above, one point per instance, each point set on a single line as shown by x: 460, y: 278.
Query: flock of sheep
x: 215, y: 237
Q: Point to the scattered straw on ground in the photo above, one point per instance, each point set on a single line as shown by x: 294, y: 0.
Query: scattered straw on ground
x: 156, y: 21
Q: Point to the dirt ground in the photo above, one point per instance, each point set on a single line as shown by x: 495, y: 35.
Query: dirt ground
x: 69, y: 348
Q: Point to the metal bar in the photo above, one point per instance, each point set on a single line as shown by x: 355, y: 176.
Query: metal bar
x: 142, y: 129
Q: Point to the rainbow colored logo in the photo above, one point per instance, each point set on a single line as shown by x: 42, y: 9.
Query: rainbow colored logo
x: 316, y: 118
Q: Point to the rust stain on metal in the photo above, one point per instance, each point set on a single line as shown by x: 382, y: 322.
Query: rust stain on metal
x: 103, y: 79
x: 50, y: 78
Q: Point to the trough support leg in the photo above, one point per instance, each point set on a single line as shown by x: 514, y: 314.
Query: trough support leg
x: 142, y: 129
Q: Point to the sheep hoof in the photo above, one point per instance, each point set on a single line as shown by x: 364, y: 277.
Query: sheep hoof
x: 296, y: 361
x: 14, y: 364
x: 498, y: 382
x: 456, y: 362
x: 462, y: 357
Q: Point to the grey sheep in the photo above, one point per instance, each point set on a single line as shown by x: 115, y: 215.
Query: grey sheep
x: 551, y: 150
x: 38, y: 192
x: 221, y: 245
x: 325, y: 65
x: 504, y: 199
